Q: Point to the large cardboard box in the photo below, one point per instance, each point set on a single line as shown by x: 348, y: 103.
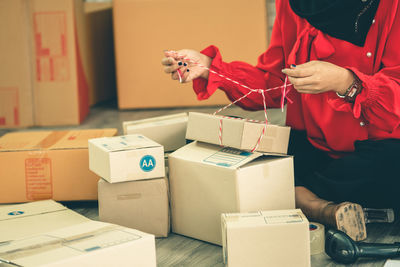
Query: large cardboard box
x: 100, y: 38
x: 207, y: 180
x: 44, y: 63
x: 142, y: 205
x: 169, y: 130
x: 237, y: 133
x: 47, y: 234
x: 178, y: 24
x: 278, y: 238
x: 47, y: 165
x: 126, y: 158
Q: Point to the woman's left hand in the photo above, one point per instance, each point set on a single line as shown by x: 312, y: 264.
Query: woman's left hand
x: 316, y: 77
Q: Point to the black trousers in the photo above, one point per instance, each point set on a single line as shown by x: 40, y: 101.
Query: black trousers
x: 369, y: 176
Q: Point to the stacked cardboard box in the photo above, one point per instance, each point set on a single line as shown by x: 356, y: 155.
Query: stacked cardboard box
x: 169, y: 130
x: 45, y: 233
x: 47, y: 165
x: 267, y: 238
x: 134, y: 192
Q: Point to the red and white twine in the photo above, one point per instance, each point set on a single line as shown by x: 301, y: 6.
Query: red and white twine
x: 283, y: 87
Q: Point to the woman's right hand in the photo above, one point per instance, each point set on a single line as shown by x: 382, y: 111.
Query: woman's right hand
x: 177, y: 64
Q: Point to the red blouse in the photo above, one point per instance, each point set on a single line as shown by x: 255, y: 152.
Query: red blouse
x: 332, y: 124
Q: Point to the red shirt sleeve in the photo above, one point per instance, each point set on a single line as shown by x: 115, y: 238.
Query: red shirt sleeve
x: 265, y: 75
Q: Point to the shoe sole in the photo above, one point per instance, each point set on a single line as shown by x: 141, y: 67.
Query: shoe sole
x: 350, y: 220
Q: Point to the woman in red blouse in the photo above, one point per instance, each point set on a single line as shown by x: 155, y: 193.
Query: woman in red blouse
x: 343, y: 61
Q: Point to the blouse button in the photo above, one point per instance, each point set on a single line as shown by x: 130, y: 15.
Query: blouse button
x: 373, y: 21
x: 362, y: 124
x: 369, y: 54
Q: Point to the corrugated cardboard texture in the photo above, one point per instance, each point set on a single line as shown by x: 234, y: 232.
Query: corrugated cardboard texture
x: 237, y: 133
x: 169, y: 131
x: 268, y: 238
x: 47, y: 165
x: 207, y: 180
x: 16, y: 107
x: 144, y: 29
x: 43, y: 80
x: 141, y: 205
x: 101, y: 74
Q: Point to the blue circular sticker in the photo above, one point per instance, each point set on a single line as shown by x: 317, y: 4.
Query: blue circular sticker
x: 13, y: 213
x: 148, y: 163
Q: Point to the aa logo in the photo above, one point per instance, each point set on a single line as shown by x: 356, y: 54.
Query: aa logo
x: 13, y: 213
x: 148, y: 163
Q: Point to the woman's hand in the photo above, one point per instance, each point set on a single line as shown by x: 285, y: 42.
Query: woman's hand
x: 316, y: 77
x: 183, y: 70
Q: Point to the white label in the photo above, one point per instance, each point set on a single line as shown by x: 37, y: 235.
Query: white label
x: 228, y: 157
x: 283, y: 219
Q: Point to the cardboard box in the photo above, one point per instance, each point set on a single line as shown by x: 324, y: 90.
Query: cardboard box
x: 237, y: 133
x: 169, y: 131
x: 43, y: 73
x: 80, y: 242
x: 126, y: 158
x: 100, y: 38
x: 207, y: 180
x: 267, y: 238
x: 141, y: 80
x: 141, y: 205
x: 47, y: 165
x: 16, y: 106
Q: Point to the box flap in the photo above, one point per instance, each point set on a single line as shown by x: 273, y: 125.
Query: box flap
x: 161, y: 120
x: 79, y: 138
x: 126, y: 142
x: 19, y: 141
x: 20, y: 220
x: 215, y: 155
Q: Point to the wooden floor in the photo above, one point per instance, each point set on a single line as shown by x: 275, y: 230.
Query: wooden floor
x: 178, y: 250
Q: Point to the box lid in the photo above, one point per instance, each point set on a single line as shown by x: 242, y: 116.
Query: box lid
x: 215, y: 155
x: 46, y: 140
x: 122, y: 143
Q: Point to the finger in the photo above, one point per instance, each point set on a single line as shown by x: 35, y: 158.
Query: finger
x: 185, y: 74
x: 299, y: 72
x: 174, y: 76
x: 170, y: 69
x: 303, y: 81
x: 308, y: 91
x: 167, y: 61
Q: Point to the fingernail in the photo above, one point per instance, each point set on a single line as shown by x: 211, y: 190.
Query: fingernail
x: 293, y: 66
x: 184, y: 64
x: 180, y: 63
x: 187, y: 70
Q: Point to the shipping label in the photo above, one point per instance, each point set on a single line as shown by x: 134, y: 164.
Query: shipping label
x: 38, y: 178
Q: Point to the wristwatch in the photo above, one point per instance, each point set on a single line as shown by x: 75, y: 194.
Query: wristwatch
x: 353, y: 90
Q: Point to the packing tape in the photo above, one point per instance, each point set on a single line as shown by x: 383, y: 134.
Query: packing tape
x: 317, y: 238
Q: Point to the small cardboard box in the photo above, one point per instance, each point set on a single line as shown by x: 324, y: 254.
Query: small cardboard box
x: 44, y: 63
x: 141, y: 205
x: 126, y: 158
x: 169, y: 131
x: 55, y: 236
x: 237, y: 133
x: 141, y: 48
x: 277, y: 238
x: 47, y: 165
x: 207, y: 180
